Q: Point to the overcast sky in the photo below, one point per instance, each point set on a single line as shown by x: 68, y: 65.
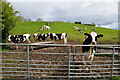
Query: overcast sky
x: 104, y: 12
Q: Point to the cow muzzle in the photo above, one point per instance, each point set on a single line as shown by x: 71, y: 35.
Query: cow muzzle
x: 93, y: 43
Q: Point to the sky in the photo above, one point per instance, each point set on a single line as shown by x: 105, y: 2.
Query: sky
x: 103, y: 12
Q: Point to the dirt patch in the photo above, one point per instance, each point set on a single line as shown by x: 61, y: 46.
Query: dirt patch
x: 44, y: 65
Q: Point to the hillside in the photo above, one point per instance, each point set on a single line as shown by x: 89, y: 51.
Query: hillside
x: 110, y: 35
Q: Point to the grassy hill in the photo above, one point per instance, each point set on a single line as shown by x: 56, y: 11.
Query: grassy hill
x: 110, y: 35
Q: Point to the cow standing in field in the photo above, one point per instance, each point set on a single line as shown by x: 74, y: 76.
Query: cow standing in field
x: 85, y: 28
x: 61, y: 36
x: 19, y: 39
x: 40, y: 28
x: 90, y: 39
x: 40, y: 37
x: 80, y: 31
x: 46, y: 27
x: 94, y: 29
x: 76, y: 28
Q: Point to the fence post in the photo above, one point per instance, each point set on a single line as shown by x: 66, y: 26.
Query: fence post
x: 112, y: 62
x: 28, y: 62
x: 69, y: 62
x: 73, y: 59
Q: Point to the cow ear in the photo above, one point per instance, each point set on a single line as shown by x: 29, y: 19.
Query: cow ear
x: 85, y: 33
x: 99, y: 35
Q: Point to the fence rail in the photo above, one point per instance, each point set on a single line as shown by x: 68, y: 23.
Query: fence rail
x: 29, y: 64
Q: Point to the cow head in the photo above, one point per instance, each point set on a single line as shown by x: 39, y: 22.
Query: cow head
x: 9, y: 38
x: 91, y: 38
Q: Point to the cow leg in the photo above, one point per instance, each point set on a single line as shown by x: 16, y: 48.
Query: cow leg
x: 83, y: 59
x: 16, y: 47
x: 65, y: 40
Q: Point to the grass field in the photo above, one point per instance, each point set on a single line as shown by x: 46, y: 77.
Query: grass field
x: 110, y: 35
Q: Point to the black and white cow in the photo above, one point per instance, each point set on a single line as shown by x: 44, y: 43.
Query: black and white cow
x: 85, y: 28
x: 94, y: 29
x: 80, y: 31
x: 46, y: 27
x: 19, y: 38
x: 40, y: 28
x: 61, y: 36
x: 90, y: 39
x: 40, y: 37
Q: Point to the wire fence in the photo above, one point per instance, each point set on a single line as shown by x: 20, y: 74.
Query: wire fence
x: 58, y: 61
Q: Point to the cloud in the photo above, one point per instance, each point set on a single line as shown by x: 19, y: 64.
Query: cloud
x: 99, y: 12
x: 63, y: 0
x: 111, y: 26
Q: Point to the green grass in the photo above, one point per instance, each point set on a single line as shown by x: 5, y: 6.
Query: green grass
x: 110, y: 35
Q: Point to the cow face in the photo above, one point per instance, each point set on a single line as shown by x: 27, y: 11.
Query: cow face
x: 91, y: 38
x: 9, y: 38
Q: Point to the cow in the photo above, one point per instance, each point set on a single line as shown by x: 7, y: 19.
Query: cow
x: 19, y: 39
x: 46, y: 27
x: 40, y: 37
x: 61, y: 36
x: 40, y: 28
x: 80, y: 31
x: 90, y: 39
x: 76, y: 28
x: 94, y: 29
x: 85, y: 28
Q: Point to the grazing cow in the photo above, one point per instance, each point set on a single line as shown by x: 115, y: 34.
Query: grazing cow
x: 80, y: 31
x: 94, y: 29
x: 52, y: 22
x: 90, y: 39
x: 76, y: 28
x: 47, y: 23
x: 46, y: 27
x: 40, y: 37
x: 54, y: 36
x: 85, y: 28
x: 40, y: 28
x: 19, y: 39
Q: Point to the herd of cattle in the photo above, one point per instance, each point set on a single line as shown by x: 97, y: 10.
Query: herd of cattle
x: 90, y: 38
x: 85, y: 29
x: 37, y: 37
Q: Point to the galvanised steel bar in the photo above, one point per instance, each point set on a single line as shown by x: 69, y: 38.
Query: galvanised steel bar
x: 73, y: 60
x: 95, y: 65
x: 28, y: 61
x: 49, y: 53
x: 46, y: 61
x: 94, y: 76
x: 95, y: 53
x: 98, y: 72
x: 95, y: 69
x: 13, y: 52
x: 59, y: 45
x: 48, y: 68
x: 69, y: 62
x: 52, y: 45
x: 13, y: 67
x: 13, y: 75
x: 14, y: 71
x: 12, y: 60
x: 96, y: 61
x: 50, y: 76
x: 50, y: 72
x: 112, y: 62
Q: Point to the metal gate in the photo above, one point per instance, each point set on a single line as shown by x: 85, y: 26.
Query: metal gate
x: 63, y: 63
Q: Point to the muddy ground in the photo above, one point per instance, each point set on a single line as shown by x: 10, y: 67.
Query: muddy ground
x: 57, y: 64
